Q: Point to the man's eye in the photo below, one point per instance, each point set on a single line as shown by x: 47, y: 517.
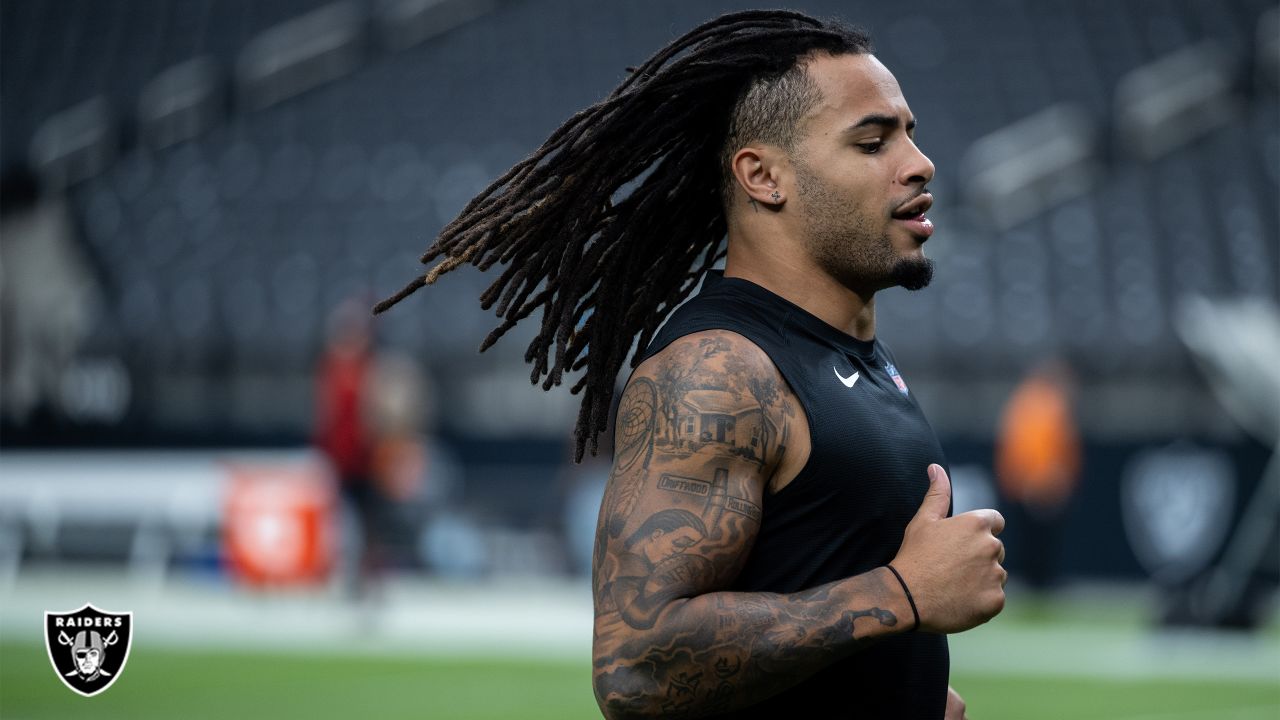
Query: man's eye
x: 871, y: 148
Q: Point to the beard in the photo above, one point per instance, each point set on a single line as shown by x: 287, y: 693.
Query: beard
x: 913, y: 273
x: 852, y: 244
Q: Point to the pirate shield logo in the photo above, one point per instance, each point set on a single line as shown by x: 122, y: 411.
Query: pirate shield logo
x: 88, y: 647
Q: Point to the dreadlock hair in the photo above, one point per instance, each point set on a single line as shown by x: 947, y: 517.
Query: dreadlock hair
x: 607, y: 266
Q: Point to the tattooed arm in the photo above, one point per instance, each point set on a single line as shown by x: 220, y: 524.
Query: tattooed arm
x: 703, y: 428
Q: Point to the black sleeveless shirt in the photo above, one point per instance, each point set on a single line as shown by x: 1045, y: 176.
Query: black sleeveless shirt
x: 847, y: 509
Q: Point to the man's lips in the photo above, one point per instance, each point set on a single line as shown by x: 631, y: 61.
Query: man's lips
x: 920, y: 226
x: 912, y: 215
x: 915, y: 207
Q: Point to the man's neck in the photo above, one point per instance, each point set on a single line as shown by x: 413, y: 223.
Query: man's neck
x: 795, y: 277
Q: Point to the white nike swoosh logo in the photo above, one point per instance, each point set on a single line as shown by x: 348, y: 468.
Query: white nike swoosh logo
x: 848, y: 381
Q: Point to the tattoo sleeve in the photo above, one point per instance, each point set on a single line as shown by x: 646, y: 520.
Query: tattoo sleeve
x: 701, y: 428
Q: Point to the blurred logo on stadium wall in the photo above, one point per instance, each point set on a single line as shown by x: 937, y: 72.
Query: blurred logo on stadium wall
x: 279, y: 524
x: 1177, y: 504
x: 88, y: 647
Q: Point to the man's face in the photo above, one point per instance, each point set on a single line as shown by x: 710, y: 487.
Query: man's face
x: 663, y: 545
x: 859, y: 178
x: 87, y: 660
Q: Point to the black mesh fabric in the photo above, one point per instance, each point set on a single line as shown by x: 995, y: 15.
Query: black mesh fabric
x: 846, y: 511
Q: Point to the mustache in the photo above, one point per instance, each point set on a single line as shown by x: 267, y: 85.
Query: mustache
x: 914, y: 197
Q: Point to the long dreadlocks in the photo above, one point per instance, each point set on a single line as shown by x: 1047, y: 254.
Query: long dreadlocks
x: 607, y: 267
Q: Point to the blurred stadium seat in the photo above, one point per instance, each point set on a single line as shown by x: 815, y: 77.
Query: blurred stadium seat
x: 225, y: 230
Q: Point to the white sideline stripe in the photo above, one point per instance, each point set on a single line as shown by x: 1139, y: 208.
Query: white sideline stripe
x: 1111, y: 652
x: 1250, y: 712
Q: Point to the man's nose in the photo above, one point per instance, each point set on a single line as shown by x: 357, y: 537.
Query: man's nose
x: 918, y: 169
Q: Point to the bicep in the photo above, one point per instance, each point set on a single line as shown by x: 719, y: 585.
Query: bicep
x: 694, y: 446
x: 677, y: 520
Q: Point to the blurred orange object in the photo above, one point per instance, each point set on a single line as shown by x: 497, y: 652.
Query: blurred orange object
x: 1038, y: 449
x: 279, y: 525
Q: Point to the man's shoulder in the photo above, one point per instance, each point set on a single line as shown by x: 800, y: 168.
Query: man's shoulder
x: 713, y: 351
x: 730, y: 298
x: 716, y: 312
x: 717, y: 393
x: 718, y: 307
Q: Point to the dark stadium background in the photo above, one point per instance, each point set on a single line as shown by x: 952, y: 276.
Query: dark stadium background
x: 211, y: 179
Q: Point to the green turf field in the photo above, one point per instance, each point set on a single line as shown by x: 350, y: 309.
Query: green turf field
x: 190, y: 684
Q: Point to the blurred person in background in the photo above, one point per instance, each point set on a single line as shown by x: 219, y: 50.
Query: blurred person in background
x: 399, y: 457
x: 49, y: 297
x: 373, y: 423
x: 344, y: 435
x: 1038, y: 467
x: 412, y: 474
x: 810, y: 566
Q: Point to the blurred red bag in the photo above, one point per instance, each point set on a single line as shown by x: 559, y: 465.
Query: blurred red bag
x: 278, y: 527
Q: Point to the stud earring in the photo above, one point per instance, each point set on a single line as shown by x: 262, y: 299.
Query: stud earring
x: 777, y: 196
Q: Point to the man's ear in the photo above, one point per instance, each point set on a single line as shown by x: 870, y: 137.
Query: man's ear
x: 759, y: 171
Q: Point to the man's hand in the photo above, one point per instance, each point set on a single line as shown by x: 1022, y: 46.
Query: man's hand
x: 952, y: 565
x: 955, y: 706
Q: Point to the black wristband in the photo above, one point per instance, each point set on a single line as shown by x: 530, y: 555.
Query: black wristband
x: 910, y: 599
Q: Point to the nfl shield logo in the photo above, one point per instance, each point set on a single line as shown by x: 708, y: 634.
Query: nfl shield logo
x: 897, y: 379
x: 88, y: 647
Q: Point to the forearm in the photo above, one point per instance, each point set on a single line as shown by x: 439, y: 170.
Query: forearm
x: 724, y: 650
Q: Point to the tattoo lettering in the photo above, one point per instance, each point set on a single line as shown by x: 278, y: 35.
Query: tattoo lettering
x: 744, y: 507
x: 691, y: 486
x: 681, y: 693
x: 701, y: 488
x: 726, y: 668
x: 679, y: 572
